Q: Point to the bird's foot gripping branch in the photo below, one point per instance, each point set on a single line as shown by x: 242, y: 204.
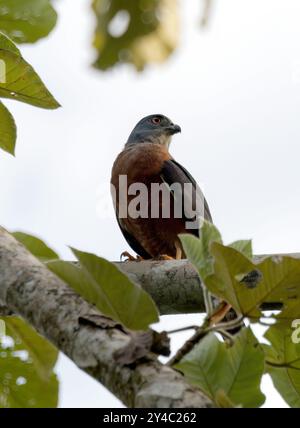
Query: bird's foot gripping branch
x: 103, y: 324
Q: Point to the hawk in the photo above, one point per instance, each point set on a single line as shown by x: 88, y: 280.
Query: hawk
x: 152, y: 222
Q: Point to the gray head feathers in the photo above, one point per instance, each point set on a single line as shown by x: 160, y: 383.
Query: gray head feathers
x: 156, y: 128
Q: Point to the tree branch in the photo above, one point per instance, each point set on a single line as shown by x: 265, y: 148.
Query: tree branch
x: 29, y: 289
x: 175, y: 285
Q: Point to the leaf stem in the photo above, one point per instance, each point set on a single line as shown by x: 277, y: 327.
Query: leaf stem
x: 207, y: 301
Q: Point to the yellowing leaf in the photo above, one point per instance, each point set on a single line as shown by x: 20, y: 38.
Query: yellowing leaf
x: 150, y: 30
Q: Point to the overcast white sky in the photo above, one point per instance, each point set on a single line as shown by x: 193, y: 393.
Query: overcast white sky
x: 233, y: 88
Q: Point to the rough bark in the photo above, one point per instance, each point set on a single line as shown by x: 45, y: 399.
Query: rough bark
x: 175, y: 285
x: 27, y: 288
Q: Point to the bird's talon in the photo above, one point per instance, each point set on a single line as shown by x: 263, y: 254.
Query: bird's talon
x: 130, y: 258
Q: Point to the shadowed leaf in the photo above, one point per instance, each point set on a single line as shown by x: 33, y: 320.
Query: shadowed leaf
x: 247, y: 285
x: 283, y: 362
x: 8, y: 131
x: 42, y: 353
x: 139, y: 32
x: 26, y: 21
x: 220, y: 370
x: 197, y: 250
x: 26, y: 368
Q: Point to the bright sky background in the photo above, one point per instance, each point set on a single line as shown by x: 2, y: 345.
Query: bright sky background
x: 233, y: 88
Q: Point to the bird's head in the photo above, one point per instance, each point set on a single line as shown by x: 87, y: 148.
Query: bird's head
x: 156, y: 128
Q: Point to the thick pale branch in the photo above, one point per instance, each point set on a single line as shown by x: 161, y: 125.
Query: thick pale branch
x: 27, y: 288
x: 175, y: 285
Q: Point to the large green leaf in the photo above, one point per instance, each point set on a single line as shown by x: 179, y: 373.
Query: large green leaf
x: 21, y: 82
x: 247, y: 285
x: 150, y: 36
x: 26, y: 20
x: 42, y: 353
x: 36, y: 246
x: 26, y: 368
x: 197, y: 250
x: 283, y: 363
x: 8, y: 131
x: 235, y: 371
x: 100, y: 282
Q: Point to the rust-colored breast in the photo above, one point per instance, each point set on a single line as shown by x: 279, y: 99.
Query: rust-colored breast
x: 140, y: 162
x: 143, y: 164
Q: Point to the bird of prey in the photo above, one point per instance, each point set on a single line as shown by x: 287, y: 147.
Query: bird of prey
x: 152, y: 227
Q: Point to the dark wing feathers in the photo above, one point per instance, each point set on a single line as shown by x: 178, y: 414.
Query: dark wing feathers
x: 132, y: 242
x: 173, y: 172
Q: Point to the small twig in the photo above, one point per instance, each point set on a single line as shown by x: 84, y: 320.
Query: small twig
x: 225, y: 335
x: 282, y: 365
x: 228, y: 325
x: 178, y: 330
x: 202, y: 332
x: 189, y: 344
x: 265, y: 324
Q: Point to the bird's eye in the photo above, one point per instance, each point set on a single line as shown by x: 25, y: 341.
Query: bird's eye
x: 156, y: 120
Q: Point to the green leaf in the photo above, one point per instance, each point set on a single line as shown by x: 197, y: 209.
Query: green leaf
x: 21, y: 82
x: 26, y: 21
x: 244, y: 247
x: 246, y: 285
x: 100, y: 282
x: 42, y: 353
x: 26, y: 368
x: 230, y: 266
x: 234, y: 371
x: 8, y: 131
x: 283, y: 363
x: 150, y: 36
x: 7, y: 44
x: 197, y: 250
x: 36, y: 246
x: 32, y: 393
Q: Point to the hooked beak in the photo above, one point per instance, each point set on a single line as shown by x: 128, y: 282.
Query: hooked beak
x: 173, y: 129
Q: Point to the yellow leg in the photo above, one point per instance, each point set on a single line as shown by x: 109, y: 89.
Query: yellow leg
x: 178, y: 251
x: 164, y: 257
